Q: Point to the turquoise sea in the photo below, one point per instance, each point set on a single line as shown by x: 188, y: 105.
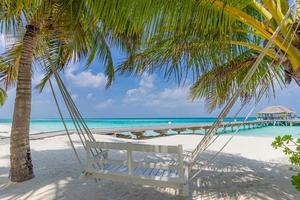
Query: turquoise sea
x: 47, y: 125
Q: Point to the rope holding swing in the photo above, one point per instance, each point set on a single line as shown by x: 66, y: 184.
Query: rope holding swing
x: 212, y: 131
x: 81, y: 128
x: 258, y: 99
x: 64, y: 123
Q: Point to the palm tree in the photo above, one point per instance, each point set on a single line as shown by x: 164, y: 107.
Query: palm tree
x: 40, y: 27
x: 55, y: 33
x: 217, y: 41
x: 207, y: 38
x: 35, y: 23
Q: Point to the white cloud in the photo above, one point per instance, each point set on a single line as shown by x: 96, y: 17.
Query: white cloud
x: 105, y: 104
x: 86, y: 78
x: 90, y: 96
x: 175, y: 93
x: 146, y: 85
x: 131, y: 92
x: 148, y: 96
x: 174, y: 97
x: 147, y: 82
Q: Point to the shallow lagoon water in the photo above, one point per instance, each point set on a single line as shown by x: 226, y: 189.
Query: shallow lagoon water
x: 269, y: 131
x: 48, y: 125
x: 272, y: 131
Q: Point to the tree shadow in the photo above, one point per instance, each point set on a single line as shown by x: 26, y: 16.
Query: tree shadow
x: 232, y: 176
x: 228, y: 177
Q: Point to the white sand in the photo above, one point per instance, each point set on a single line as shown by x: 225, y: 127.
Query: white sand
x: 4, y: 130
x: 248, y: 168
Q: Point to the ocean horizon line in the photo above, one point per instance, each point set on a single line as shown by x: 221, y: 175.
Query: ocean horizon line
x: 214, y: 117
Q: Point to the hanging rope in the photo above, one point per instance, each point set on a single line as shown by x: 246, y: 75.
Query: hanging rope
x: 82, y: 130
x: 226, y: 143
x: 271, y: 64
x: 253, y: 108
x: 81, y: 127
x: 63, y: 121
x: 207, y: 138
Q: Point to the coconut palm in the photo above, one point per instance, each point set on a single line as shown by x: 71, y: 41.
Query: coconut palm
x: 34, y: 24
x: 54, y: 33
x: 217, y: 41
x: 206, y: 38
x: 40, y: 28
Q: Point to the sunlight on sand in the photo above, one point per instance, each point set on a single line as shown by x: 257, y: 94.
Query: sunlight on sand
x: 248, y: 168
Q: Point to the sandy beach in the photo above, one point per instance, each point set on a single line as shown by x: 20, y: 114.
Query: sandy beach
x: 248, y: 168
x: 4, y: 130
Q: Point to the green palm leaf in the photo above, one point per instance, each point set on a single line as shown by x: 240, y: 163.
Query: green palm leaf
x: 2, y: 96
x: 220, y: 83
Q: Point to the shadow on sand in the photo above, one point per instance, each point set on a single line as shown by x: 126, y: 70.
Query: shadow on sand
x: 228, y: 177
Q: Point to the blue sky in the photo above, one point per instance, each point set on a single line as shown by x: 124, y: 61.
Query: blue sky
x: 146, y: 96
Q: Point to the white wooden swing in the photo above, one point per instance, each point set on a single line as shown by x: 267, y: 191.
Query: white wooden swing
x: 169, y: 174
x: 174, y: 174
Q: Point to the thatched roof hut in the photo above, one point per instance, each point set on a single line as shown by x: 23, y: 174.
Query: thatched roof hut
x: 276, y: 112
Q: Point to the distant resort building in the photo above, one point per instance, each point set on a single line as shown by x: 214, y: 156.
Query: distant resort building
x: 276, y: 113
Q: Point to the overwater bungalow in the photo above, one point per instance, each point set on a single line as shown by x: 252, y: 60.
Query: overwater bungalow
x: 276, y: 113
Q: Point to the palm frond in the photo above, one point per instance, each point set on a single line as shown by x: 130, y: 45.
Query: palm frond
x: 220, y: 83
x: 2, y: 96
x: 182, y: 54
x: 9, y: 64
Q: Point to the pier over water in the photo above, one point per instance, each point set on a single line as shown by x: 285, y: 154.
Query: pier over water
x: 139, y: 132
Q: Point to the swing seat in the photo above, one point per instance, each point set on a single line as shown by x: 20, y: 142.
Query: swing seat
x: 166, y: 173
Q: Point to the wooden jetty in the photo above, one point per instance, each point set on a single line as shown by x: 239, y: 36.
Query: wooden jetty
x: 163, y: 130
x: 290, y: 122
x: 139, y: 132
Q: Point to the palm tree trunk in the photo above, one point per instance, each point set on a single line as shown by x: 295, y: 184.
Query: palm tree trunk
x: 20, y: 158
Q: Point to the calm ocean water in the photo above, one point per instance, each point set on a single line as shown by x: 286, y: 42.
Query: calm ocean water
x: 46, y: 125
